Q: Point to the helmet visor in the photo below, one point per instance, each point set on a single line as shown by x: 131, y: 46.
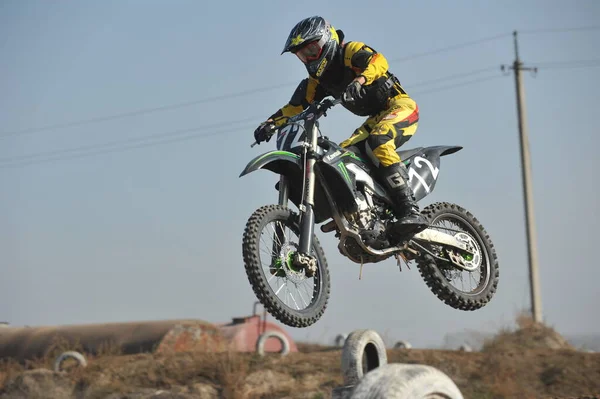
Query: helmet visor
x: 311, y: 51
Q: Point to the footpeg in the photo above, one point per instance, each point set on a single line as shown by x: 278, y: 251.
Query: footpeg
x: 328, y: 227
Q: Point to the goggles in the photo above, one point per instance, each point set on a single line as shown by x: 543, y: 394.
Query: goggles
x: 311, y: 51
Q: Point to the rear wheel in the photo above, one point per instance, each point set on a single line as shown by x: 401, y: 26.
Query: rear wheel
x: 269, y: 243
x: 462, y: 289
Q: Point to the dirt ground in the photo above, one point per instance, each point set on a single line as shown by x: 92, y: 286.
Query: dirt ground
x: 531, y: 362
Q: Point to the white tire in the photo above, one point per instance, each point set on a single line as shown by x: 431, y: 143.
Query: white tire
x: 406, y: 381
x: 340, y: 340
x: 69, y: 355
x: 342, y: 392
x: 363, y: 351
x: 402, y: 345
x: 465, y: 348
x: 260, y: 343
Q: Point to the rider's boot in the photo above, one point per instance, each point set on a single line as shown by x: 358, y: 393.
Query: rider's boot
x: 395, y: 180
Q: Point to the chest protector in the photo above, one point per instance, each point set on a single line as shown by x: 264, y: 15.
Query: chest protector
x: 375, y: 96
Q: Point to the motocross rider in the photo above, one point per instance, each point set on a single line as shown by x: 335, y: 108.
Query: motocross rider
x: 337, y: 68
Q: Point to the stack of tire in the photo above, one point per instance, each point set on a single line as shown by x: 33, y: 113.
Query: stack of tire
x: 367, y: 373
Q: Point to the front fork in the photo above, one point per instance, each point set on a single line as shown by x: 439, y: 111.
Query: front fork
x: 307, y: 218
x: 302, y: 258
x: 279, y: 235
x: 284, y: 190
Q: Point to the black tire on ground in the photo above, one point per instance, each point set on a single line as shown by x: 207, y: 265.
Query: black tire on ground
x: 437, y: 281
x: 254, y: 270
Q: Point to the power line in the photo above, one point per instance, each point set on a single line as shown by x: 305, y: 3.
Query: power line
x: 451, y: 77
x: 451, y: 48
x: 121, y: 149
x: 143, y: 111
x: 29, y: 159
x: 572, y: 67
x: 177, y: 132
x: 571, y: 62
x: 120, y: 142
x: 217, y: 98
x: 267, y: 88
x: 559, y: 30
x: 469, y: 82
x: 84, y: 151
x: 150, y: 110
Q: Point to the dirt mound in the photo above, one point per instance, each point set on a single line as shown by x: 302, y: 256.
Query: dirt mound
x: 533, y: 361
x: 530, y: 373
x: 529, y: 335
x: 39, y: 383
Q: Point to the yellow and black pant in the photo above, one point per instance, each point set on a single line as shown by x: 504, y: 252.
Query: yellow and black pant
x: 383, y: 133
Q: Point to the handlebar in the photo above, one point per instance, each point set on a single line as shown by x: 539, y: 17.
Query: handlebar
x: 317, y: 109
x: 272, y: 129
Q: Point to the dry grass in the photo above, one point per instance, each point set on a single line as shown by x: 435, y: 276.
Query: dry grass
x: 527, y: 335
x: 514, y: 364
x: 529, y: 361
x: 530, y: 374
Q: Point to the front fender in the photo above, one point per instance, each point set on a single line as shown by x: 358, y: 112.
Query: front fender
x: 273, y: 161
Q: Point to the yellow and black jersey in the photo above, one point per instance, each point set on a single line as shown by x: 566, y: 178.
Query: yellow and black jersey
x: 354, y: 59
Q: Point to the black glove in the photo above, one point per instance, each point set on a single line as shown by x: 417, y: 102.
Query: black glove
x: 353, y: 92
x: 264, y: 132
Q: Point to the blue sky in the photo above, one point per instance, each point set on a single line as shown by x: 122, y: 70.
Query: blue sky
x: 143, y: 221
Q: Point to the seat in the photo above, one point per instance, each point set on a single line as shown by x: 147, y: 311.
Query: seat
x: 404, y: 154
x: 354, y: 149
x: 407, y: 154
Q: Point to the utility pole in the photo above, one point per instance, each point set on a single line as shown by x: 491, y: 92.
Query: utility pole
x: 534, y: 282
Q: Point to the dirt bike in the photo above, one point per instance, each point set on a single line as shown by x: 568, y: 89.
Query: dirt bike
x: 284, y: 261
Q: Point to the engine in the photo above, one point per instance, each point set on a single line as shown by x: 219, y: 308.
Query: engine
x: 370, y: 220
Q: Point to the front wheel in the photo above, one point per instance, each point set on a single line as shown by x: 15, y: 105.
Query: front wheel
x: 469, y: 289
x: 269, y: 243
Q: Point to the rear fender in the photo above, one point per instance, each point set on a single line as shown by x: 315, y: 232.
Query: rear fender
x: 424, y: 169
